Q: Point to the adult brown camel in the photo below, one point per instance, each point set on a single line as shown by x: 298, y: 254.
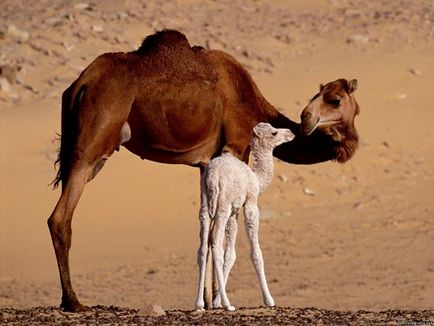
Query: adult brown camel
x: 173, y: 103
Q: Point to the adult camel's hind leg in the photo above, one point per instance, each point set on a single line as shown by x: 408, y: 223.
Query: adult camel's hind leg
x: 91, y: 131
x: 82, y: 170
x: 59, y: 224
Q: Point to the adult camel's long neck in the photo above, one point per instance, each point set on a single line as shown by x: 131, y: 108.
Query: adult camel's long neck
x: 263, y: 165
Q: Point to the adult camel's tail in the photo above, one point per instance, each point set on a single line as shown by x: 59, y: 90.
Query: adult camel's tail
x: 71, y: 99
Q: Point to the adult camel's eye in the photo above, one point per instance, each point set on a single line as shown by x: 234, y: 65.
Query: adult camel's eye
x: 335, y: 102
x: 274, y: 133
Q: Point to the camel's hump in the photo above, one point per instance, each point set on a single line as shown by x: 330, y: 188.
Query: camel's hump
x: 167, y: 38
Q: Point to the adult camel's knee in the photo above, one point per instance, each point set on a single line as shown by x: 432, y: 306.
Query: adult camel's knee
x: 60, y: 232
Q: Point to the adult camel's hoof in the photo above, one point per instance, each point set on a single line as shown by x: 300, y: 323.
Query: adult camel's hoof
x: 74, y: 306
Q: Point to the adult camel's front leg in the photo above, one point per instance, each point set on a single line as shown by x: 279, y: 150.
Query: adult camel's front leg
x: 60, y: 229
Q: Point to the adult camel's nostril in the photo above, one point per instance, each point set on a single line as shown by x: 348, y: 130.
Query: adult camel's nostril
x: 305, y: 115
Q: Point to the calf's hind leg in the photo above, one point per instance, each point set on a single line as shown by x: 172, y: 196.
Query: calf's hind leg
x: 230, y: 253
x: 203, y: 252
x: 218, y: 234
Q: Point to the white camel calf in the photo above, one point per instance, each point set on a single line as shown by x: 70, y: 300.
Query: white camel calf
x: 228, y: 184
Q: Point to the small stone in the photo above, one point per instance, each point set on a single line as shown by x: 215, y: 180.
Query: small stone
x: 82, y: 6
x: 122, y: 15
x: 97, y: 28
x: 151, y: 271
x: 245, y: 53
x: 357, y: 205
x: 283, y: 178
x: 415, y: 72
x: 67, y: 46
x: 308, y: 192
x: 4, y: 85
x: 54, y: 21
x: 151, y: 310
x: 385, y: 144
x: 401, y: 96
x: 17, y: 34
x: 31, y: 88
x: 8, y: 72
x: 358, y: 39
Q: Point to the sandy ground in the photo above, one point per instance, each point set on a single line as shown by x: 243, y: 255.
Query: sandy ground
x: 342, y: 237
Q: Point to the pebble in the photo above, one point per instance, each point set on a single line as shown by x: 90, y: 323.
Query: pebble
x: 358, y: 39
x: 4, y: 85
x: 151, y: 310
x: 415, y: 72
x: 97, y: 28
x: 17, y: 34
x: 401, y: 96
x: 122, y: 15
x: 8, y: 72
x: 283, y: 178
x: 82, y: 6
x: 357, y: 205
x: 308, y: 192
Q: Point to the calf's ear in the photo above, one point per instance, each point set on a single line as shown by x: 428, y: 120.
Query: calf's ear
x: 257, y: 130
x: 352, y: 86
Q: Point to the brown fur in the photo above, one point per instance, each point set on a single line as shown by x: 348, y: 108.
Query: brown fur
x: 183, y: 105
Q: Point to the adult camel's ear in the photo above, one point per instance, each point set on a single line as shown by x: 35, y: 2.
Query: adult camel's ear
x: 321, y: 86
x: 352, y: 86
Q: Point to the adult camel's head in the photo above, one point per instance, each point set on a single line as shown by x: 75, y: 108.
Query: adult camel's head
x: 333, y: 111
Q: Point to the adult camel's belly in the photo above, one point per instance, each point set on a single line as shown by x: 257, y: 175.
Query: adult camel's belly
x: 178, y: 123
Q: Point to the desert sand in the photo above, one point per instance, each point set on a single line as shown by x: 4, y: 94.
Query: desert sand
x: 335, y: 236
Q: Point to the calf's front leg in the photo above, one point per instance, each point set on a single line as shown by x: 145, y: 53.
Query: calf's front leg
x: 251, y: 221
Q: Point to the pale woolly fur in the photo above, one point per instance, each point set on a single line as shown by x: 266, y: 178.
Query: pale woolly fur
x: 227, y: 185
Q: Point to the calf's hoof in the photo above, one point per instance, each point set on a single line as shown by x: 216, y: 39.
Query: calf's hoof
x: 216, y: 303
x: 269, y: 302
x: 230, y: 308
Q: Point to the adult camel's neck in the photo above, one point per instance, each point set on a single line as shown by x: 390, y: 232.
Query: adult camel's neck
x: 262, y: 165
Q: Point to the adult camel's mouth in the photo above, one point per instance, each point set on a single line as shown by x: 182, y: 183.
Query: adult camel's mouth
x: 308, y: 127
